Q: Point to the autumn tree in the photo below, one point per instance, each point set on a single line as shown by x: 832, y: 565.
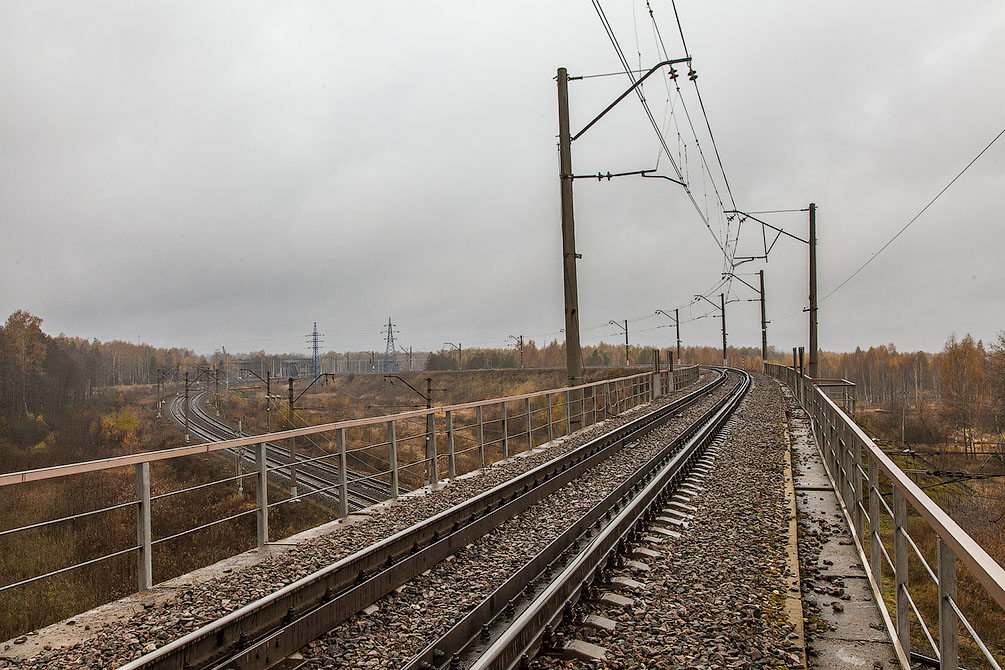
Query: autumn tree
x: 24, y: 351
x: 962, y: 384
x: 996, y: 381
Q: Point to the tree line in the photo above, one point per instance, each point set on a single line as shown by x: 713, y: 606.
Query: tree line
x: 965, y: 382
x: 44, y: 375
x: 959, y: 391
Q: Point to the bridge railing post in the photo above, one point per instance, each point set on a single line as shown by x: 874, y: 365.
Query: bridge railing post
x: 480, y: 420
x: 551, y: 425
x: 143, y: 533
x: 392, y: 458
x: 343, y: 475
x: 849, y: 473
x: 859, y: 496
x: 262, y: 494
x: 505, y: 429
x: 568, y: 409
x: 875, y: 546
x: 530, y: 427
x: 949, y: 621
x: 903, y: 606
x: 451, y: 454
x: 432, y: 467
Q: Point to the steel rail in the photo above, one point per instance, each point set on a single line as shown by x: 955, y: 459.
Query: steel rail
x: 508, y: 626
x: 320, y: 476
x: 266, y: 631
x: 277, y: 457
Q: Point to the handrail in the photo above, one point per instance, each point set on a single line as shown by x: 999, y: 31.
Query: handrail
x: 51, y: 472
x: 972, y: 555
x: 846, y: 447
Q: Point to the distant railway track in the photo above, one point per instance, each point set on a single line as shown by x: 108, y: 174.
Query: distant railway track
x: 317, y: 478
x: 271, y: 629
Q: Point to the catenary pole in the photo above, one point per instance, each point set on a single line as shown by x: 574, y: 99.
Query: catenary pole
x: 764, y: 325
x: 573, y: 351
x: 722, y: 306
x: 813, y: 291
x: 626, y: 343
x: 676, y: 318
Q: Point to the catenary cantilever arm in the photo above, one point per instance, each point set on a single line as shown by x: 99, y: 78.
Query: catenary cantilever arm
x: 625, y: 94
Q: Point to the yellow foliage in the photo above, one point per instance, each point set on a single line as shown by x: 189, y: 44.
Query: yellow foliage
x: 47, y: 443
x: 122, y: 427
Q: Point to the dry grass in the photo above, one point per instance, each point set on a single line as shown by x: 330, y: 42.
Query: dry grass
x: 976, y: 515
x: 26, y: 554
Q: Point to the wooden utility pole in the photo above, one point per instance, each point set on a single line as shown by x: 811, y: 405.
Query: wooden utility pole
x: 813, y: 291
x: 764, y: 325
x: 573, y: 351
x: 722, y: 307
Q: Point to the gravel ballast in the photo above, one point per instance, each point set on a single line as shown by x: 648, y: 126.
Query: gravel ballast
x: 405, y: 622
x: 715, y: 597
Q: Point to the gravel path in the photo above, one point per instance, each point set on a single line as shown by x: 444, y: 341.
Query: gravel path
x: 427, y: 606
x: 714, y: 597
x: 116, y: 643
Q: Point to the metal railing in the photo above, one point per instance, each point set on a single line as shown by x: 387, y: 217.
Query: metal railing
x: 406, y: 448
x: 863, y: 477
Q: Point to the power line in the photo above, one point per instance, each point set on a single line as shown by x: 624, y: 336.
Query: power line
x: 694, y: 80
x: 915, y: 218
x: 652, y: 120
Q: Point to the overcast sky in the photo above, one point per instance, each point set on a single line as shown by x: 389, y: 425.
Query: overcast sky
x: 207, y: 174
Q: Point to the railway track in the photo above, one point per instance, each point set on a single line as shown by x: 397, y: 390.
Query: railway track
x: 316, y: 478
x: 515, y: 619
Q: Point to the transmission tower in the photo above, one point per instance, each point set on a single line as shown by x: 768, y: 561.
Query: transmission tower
x: 314, y: 339
x: 390, y: 354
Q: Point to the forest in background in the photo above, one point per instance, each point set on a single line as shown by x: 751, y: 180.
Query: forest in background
x: 957, y: 394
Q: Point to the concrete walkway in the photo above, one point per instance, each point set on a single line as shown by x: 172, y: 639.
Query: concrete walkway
x: 844, y: 628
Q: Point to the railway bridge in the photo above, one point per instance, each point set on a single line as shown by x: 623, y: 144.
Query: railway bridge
x: 686, y: 518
